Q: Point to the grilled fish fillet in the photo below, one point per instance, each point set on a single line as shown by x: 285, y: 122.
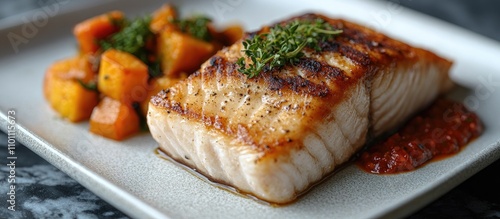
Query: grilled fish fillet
x: 275, y: 135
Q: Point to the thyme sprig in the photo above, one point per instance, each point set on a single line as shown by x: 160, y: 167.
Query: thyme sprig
x: 283, y: 44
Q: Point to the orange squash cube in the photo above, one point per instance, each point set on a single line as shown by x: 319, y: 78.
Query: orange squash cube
x: 156, y: 85
x: 63, y: 89
x: 162, y: 17
x: 232, y: 34
x: 179, y: 52
x: 90, y: 31
x: 122, y: 77
x: 113, y: 119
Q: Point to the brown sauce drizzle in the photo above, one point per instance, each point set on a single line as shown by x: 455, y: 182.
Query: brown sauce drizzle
x: 161, y: 154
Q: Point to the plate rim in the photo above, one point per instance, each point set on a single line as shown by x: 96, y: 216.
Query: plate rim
x: 135, y: 207
x: 108, y: 191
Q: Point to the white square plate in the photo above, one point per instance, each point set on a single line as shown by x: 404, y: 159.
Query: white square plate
x: 128, y: 174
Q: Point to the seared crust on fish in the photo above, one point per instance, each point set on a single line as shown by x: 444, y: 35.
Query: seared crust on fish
x: 276, y: 134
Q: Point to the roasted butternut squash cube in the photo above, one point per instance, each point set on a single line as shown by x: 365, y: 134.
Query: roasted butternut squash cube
x: 156, y: 85
x: 232, y: 34
x: 162, y: 17
x: 64, y: 91
x: 122, y: 77
x: 179, y: 52
x: 228, y: 36
x: 90, y: 31
x: 114, y: 119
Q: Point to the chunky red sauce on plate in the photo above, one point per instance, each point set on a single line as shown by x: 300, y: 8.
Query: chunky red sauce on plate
x: 440, y: 130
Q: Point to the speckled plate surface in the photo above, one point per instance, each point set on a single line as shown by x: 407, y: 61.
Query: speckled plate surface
x: 128, y: 174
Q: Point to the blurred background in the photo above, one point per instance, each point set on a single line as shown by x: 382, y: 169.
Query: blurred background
x: 49, y: 193
x: 481, y: 16
x: 11, y: 7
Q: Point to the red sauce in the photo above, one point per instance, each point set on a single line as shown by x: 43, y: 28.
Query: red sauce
x: 440, y: 130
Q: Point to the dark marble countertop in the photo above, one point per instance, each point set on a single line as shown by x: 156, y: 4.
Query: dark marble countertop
x: 45, y: 192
